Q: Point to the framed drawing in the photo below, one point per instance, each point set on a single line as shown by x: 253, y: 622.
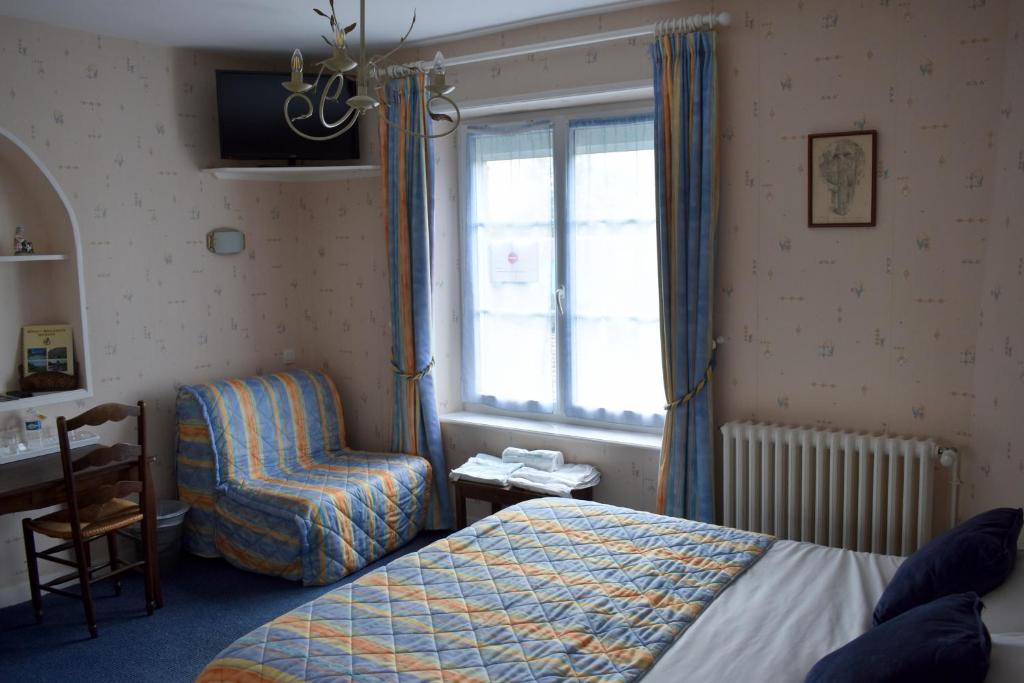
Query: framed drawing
x: 841, y: 179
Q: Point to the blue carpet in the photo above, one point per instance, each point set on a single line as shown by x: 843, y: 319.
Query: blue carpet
x: 207, y: 605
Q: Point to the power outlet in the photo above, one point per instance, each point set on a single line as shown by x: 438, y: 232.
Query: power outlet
x: 288, y: 355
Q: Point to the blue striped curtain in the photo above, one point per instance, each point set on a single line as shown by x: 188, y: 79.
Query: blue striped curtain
x: 687, y: 160
x: 408, y: 166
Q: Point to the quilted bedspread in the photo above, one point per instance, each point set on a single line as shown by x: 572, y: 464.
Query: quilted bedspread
x: 550, y: 589
x: 273, y: 488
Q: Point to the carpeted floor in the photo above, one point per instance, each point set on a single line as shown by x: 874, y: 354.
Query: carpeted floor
x: 207, y: 605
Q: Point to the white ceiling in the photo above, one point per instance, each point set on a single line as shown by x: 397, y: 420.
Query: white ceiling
x: 281, y: 25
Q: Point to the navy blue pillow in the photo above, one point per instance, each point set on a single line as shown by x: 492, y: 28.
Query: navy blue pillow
x: 976, y: 556
x: 944, y: 640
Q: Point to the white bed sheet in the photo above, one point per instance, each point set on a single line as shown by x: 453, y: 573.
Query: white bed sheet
x: 1004, y: 607
x: 797, y: 604
x: 802, y: 601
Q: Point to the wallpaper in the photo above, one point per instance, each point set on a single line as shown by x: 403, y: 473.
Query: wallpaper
x: 345, y: 311
x: 997, y: 430
x: 125, y: 128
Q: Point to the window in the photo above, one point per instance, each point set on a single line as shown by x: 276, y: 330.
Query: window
x: 560, y: 282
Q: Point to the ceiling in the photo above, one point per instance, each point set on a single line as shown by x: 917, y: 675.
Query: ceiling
x: 280, y: 25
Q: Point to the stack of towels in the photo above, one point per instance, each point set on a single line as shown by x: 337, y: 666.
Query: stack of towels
x: 540, y: 471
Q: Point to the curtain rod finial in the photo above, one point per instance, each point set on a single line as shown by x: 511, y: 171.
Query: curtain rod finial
x: 724, y: 19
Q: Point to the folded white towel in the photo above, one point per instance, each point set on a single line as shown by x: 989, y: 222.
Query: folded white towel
x: 486, y: 469
x: 540, y: 459
x: 570, y: 475
x: 562, y: 482
x: 549, y: 489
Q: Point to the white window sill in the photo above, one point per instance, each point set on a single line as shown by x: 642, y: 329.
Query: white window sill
x: 570, y: 431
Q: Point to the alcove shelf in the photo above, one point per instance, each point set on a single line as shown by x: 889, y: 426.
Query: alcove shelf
x: 294, y: 174
x: 49, y: 287
x: 27, y: 258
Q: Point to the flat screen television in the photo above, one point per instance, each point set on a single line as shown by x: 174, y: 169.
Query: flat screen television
x: 250, y: 113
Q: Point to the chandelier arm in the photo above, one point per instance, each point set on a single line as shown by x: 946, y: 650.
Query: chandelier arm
x: 301, y: 117
x: 318, y: 75
x: 290, y: 121
x: 349, y: 113
x: 324, y: 99
x: 381, y: 59
x: 335, y: 78
x: 432, y: 136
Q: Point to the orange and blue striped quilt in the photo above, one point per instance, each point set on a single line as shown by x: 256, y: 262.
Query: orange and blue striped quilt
x: 550, y: 589
x: 274, y: 489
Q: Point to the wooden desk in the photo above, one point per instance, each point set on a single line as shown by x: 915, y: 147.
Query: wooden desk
x: 498, y: 497
x: 38, y: 482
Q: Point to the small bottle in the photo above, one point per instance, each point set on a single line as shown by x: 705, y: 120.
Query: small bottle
x: 34, y: 427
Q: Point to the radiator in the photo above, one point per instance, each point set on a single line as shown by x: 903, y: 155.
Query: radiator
x: 842, y: 489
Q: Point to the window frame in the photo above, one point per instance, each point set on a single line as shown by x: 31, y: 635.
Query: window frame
x: 559, y: 119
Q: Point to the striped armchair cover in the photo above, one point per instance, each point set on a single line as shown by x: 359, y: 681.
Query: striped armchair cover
x: 274, y: 488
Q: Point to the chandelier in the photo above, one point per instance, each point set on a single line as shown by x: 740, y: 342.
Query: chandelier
x: 375, y: 71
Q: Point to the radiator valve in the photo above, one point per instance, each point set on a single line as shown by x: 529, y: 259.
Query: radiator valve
x: 947, y: 456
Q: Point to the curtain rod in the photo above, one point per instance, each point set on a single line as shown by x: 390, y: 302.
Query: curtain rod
x: 696, y: 22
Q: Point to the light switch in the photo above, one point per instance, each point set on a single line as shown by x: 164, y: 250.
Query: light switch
x: 225, y: 241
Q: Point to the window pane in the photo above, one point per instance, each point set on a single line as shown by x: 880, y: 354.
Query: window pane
x: 614, y: 333
x: 510, y: 352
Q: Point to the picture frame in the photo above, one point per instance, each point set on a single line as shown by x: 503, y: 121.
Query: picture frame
x: 842, y: 181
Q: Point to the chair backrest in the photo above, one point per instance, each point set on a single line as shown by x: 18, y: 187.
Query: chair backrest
x: 101, y: 457
x: 260, y: 425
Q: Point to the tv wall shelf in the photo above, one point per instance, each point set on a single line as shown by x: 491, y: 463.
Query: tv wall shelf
x: 294, y: 174
x: 48, y: 294
x: 22, y: 258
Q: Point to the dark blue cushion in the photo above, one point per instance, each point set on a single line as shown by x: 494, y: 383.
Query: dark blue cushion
x: 944, y: 640
x: 976, y: 556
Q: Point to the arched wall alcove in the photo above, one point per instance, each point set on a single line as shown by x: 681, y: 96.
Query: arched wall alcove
x: 46, y: 287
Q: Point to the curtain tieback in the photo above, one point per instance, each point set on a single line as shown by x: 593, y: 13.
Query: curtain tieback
x: 709, y: 372
x: 414, y: 376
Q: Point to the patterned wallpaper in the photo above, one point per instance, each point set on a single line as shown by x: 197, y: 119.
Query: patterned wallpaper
x: 346, y: 308
x: 125, y: 129
x: 997, y: 431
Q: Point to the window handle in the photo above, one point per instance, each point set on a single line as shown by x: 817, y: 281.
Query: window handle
x: 560, y: 299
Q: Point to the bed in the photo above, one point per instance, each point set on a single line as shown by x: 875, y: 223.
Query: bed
x: 556, y: 589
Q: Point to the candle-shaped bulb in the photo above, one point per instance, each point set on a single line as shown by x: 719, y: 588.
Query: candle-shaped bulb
x: 296, y: 84
x: 438, y: 83
x: 339, y: 37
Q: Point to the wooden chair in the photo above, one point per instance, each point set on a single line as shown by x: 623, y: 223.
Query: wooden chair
x: 95, y: 514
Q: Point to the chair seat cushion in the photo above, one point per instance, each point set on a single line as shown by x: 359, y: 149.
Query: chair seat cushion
x: 336, y: 514
x: 96, y: 520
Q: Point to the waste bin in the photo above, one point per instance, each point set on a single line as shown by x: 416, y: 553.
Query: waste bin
x: 170, y: 520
